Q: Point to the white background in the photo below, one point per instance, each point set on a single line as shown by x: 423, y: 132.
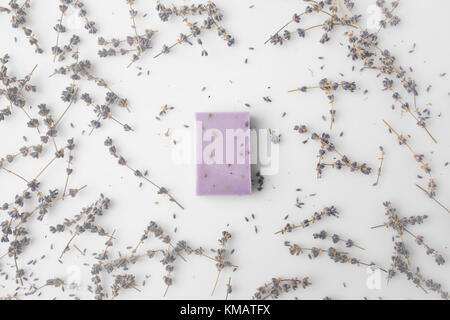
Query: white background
x: 177, y: 80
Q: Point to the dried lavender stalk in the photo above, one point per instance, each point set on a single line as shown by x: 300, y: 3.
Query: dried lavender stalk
x: 80, y: 69
x: 328, y: 87
x: 84, y: 222
x: 400, y: 259
x: 121, y: 160
x: 278, y: 286
x: 168, y: 258
x: 18, y: 15
x: 58, y: 52
x: 363, y: 45
x: 137, y: 43
x: 126, y: 281
x: 19, y: 231
x: 103, y: 111
x: 317, y: 216
x: 333, y: 254
x: 431, y: 192
x: 220, y: 257
x: 14, y: 89
x: 213, y: 17
x: 399, y: 225
x: 328, y: 146
x: 336, y: 238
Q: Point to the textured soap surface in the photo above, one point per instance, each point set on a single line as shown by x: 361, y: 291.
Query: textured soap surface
x: 223, y: 153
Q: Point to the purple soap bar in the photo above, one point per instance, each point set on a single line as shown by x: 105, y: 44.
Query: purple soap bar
x: 223, y: 153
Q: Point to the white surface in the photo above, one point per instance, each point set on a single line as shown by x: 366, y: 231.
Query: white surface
x: 177, y: 79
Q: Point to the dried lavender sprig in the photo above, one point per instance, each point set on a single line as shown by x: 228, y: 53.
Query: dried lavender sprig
x: 19, y: 201
x: 18, y: 15
x: 328, y: 87
x: 400, y: 259
x: 201, y: 252
x: 103, y: 111
x: 34, y: 151
x: 278, y: 286
x: 419, y: 117
x: 33, y: 185
x: 333, y: 254
x: 158, y: 232
x: 69, y: 169
x: 82, y: 68
x: 125, y: 281
x: 17, y: 246
x: 328, y: 146
x: 109, y: 243
x: 169, y: 257
x: 70, y: 47
x: 327, y: 26
x: 138, y: 45
x: 364, y: 47
x: 121, y: 160
x: 123, y: 263
x: 389, y: 17
x: 336, y: 238
x: 399, y: 225
x: 393, y: 223
x: 82, y: 12
x: 59, y: 28
x: 183, y: 38
x: 429, y: 194
x: 89, y: 214
x: 196, y: 32
x: 48, y: 121
x: 58, y: 155
x: 419, y: 158
x: 133, y: 14
x: 70, y: 92
x: 193, y: 10
x: 14, y: 98
x: 13, y: 89
x: 55, y: 282
x: 295, y: 18
x: 401, y: 264
x: 220, y: 257
x: 213, y: 17
x: 317, y: 216
x: 142, y: 42
x: 46, y: 202
x: 85, y: 221
x: 432, y: 285
x: 69, y: 95
x: 430, y: 251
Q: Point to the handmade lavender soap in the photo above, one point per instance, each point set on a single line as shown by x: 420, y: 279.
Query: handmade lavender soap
x: 223, y: 153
